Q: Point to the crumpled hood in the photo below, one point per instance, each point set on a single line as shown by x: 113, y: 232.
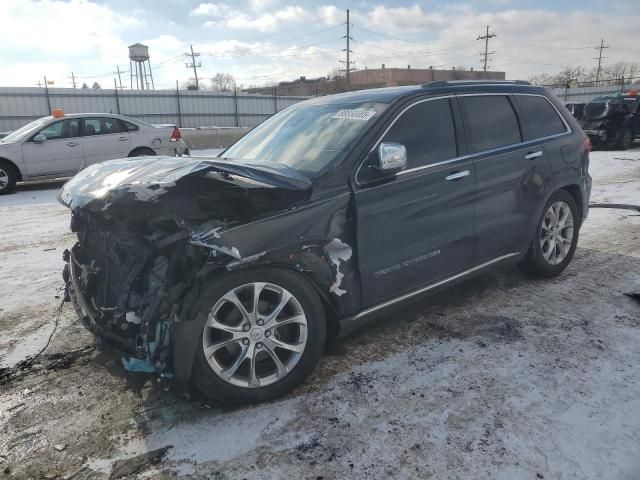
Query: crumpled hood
x: 131, y: 181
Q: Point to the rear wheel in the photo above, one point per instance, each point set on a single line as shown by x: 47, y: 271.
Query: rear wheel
x: 556, y: 237
x: 262, y: 331
x: 8, y: 178
x: 142, y: 152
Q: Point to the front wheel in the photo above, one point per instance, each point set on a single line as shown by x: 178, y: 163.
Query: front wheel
x: 556, y: 237
x: 8, y: 178
x: 262, y: 333
x: 625, y: 138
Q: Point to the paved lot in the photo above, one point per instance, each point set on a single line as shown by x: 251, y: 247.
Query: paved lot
x: 502, y: 377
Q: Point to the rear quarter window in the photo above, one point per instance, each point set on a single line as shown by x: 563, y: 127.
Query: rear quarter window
x: 492, y: 122
x: 130, y: 127
x: 539, y: 115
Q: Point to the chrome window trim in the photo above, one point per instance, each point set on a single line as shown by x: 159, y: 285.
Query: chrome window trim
x: 431, y: 286
x: 468, y: 156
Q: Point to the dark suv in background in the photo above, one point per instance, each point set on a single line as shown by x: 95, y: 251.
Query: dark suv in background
x: 231, y: 273
x: 612, y: 120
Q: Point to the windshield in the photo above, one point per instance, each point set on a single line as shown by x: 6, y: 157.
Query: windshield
x: 615, y: 99
x: 306, y: 137
x: 15, y: 135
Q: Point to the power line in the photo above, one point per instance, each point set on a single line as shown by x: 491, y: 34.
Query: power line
x: 194, y: 65
x: 400, y: 39
x: 306, y: 35
x: 486, y: 38
x: 599, y: 58
x: 505, y: 39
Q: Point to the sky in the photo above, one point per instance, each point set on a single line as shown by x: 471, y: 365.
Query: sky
x: 261, y: 42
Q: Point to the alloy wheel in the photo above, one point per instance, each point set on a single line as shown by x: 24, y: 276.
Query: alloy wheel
x: 556, y: 234
x: 4, y: 179
x: 255, y: 335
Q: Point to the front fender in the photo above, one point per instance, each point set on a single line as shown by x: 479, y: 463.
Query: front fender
x: 317, y: 240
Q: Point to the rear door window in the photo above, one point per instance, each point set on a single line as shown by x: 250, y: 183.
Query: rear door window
x: 101, y: 126
x: 427, y: 131
x: 492, y: 122
x: 542, y: 119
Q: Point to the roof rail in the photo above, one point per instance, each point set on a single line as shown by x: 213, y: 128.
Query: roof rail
x: 445, y: 83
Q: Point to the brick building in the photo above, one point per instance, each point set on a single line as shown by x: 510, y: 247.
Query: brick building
x: 372, y: 78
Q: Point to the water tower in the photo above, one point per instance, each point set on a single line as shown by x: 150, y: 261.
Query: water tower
x: 140, y: 67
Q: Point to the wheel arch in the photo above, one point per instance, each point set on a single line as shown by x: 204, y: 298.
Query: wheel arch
x: 140, y: 149
x: 13, y: 165
x: 576, y: 193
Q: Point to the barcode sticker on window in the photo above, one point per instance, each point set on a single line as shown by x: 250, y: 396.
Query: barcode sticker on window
x: 363, y: 114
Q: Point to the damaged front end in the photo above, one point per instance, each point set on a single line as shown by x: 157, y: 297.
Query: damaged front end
x: 147, y: 229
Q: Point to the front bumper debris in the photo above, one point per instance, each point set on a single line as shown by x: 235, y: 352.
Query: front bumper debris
x: 600, y: 135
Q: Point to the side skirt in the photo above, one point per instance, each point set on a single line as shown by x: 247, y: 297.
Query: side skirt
x: 349, y: 324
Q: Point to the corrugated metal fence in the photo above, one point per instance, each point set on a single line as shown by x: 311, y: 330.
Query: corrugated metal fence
x: 185, y: 108
x: 586, y: 94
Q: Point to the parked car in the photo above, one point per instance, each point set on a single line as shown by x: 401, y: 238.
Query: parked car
x: 231, y: 273
x: 576, y: 109
x: 613, y: 120
x: 60, y: 145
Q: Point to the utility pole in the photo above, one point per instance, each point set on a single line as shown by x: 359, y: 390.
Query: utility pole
x: 600, y: 57
x: 349, y: 52
x: 194, y: 65
x: 486, y: 54
x: 118, y: 72
x: 73, y: 80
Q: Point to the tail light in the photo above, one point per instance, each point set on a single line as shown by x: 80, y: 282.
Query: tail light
x: 175, y: 136
x: 586, y: 145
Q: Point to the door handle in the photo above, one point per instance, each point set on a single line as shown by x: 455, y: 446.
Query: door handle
x: 532, y: 155
x: 123, y: 139
x: 457, y: 175
x: 72, y: 144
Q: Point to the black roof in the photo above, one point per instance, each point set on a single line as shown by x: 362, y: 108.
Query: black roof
x: 390, y: 94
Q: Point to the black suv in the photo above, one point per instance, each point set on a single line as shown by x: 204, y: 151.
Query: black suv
x: 231, y: 273
x: 612, y: 120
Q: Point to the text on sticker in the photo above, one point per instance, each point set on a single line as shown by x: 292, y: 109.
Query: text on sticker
x: 363, y: 114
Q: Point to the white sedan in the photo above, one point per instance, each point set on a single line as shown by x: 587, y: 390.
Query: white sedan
x: 61, y: 145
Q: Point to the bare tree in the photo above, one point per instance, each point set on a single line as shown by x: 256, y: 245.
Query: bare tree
x: 620, y: 70
x: 223, y: 82
x: 570, y: 75
x: 338, y: 80
x: 542, y: 79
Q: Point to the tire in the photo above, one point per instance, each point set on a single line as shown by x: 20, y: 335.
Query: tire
x: 625, y: 138
x: 142, y: 152
x: 8, y: 178
x: 232, y: 344
x: 546, y: 258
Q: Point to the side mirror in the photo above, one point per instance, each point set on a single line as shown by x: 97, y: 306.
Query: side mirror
x: 40, y: 138
x: 392, y: 158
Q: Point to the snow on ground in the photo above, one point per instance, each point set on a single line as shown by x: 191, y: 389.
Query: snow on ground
x: 502, y: 377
